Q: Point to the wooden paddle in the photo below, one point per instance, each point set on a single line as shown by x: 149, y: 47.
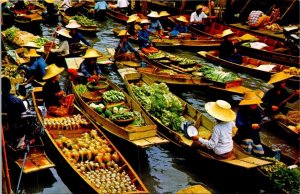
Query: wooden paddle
x: 288, y: 98
x: 52, y: 43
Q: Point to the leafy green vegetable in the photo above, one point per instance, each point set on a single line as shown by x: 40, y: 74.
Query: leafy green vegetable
x: 84, y: 21
x: 217, y: 74
x: 11, y: 32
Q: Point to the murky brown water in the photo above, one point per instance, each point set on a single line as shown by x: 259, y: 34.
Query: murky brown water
x: 163, y: 169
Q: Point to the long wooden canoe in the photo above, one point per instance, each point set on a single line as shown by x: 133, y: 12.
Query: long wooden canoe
x: 63, y: 144
x: 252, y: 66
x: 201, y: 122
x: 118, y: 16
x: 142, y: 136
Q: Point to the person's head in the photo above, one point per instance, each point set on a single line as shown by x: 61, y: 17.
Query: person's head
x: 227, y: 34
x: 153, y: 15
x: 252, y: 99
x: 199, y: 9
x: 144, y: 24
x: 73, y: 26
x: 91, y: 56
x: 281, y: 84
x: 279, y: 79
x: 220, y: 110
x: 63, y: 34
x: 123, y: 34
x: 6, y: 86
x: 32, y: 54
x: 53, y: 73
x: 3, y: 2
x: 181, y: 20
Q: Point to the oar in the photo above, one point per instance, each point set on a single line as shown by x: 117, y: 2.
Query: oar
x: 54, y: 37
x: 287, y: 99
x: 23, y: 164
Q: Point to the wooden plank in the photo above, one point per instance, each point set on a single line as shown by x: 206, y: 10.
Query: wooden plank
x: 156, y: 139
x: 240, y: 163
x: 256, y: 161
x: 140, y: 135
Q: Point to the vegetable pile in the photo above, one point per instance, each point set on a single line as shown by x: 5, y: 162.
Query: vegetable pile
x: 218, y: 75
x: 94, y: 157
x: 19, y: 37
x: 65, y: 123
x: 113, y: 96
x: 41, y: 41
x: 161, y: 103
x: 84, y: 21
x: 158, y: 55
x: 10, y: 33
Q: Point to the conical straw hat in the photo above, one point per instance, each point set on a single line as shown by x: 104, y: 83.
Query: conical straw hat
x: 220, y: 110
x: 259, y: 93
x: 277, y: 77
x: 164, y: 14
x: 32, y: 53
x: 52, y: 70
x: 73, y: 24
x: 64, y: 32
x: 182, y: 19
x: 153, y: 14
x: 123, y: 33
x: 4, y: 1
x: 132, y: 18
x: 50, y: 1
x: 91, y: 53
x: 145, y: 21
x: 31, y: 45
x: 227, y: 33
x: 251, y: 98
x: 199, y: 7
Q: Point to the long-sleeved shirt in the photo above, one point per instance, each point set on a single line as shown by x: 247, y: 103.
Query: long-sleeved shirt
x: 63, y: 48
x: 101, y: 5
x: 197, y: 18
x: 181, y: 29
x: 49, y: 91
x: 143, y: 36
x: 77, y: 37
x: 155, y: 25
x: 125, y: 48
x: 221, y: 138
x: 122, y: 3
x: 89, y: 69
x: 66, y: 4
x: 36, y: 69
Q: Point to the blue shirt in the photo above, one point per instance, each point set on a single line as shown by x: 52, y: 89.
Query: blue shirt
x: 181, y: 29
x: 36, y: 69
x: 155, y: 25
x: 88, y: 69
x: 143, y: 36
x: 77, y: 37
x: 101, y: 5
x: 126, y: 47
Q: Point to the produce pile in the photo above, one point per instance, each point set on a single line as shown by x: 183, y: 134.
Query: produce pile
x: 292, y: 71
x: 41, y: 41
x: 81, y: 88
x: 84, y: 21
x: 19, y: 37
x: 160, y: 102
x: 158, y: 55
x: 94, y: 157
x: 65, y: 123
x: 291, y: 119
x: 12, y: 72
x: 167, y: 71
x: 113, y: 96
x: 183, y: 61
x: 218, y: 75
x: 283, y: 177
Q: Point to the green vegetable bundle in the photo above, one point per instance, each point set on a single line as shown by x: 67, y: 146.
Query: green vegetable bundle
x: 113, y: 96
x: 41, y: 41
x: 158, y: 55
x: 122, y: 116
x: 216, y: 74
x: 80, y: 89
x: 11, y: 32
x: 84, y: 21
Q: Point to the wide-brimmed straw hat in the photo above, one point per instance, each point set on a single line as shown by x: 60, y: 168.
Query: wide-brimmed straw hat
x: 132, y: 18
x: 251, y: 98
x: 153, y: 14
x: 32, y: 53
x: 49, y: 1
x: 64, y: 32
x: 199, y: 7
x: 73, y: 24
x: 227, y: 33
x: 182, y: 19
x: 31, y: 44
x: 91, y: 53
x: 145, y: 21
x: 123, y: 33
x: 220, y: 110
x: 4, y: 1
x: 52, y: 70
x: 277, y: 77
x: 164, y: 14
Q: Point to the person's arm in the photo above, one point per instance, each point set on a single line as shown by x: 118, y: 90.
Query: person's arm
x: 83, y: 39
x: 211, y: 144
x: 192, y: 19
x: 84, y: 71
x: 61, y: 48
x: 141, y: 37
x: 98, y: 70
x: 32, y: 67
x: 97, y: 6
x: 185, y: 29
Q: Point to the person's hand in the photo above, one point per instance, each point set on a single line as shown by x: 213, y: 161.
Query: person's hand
x: 255, y: 126
x: 60, y: 94
x: 275, y: 108
x: 298, y: 92
x: 195, y: 138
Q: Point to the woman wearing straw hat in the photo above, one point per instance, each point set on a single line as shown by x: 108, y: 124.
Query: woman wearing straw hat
x: 274, y: 99
x: 143, y: 37
x: 52, y: 92
x: 180, y: 26
x: 221, y: 139
x: 76, y: 36
x: 36, y: 66
x: 51, y: 12
x: 89, y: 66
x: 121, y: 51
x: 123, y: 6
x: 248, y: 120
x: 132, y: 26
x: 155, y: 25
x: 227, y: 50
x: 197, y: 17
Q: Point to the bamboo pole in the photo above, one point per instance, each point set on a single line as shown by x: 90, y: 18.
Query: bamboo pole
x: 288, y: 9
x: 5, y: 166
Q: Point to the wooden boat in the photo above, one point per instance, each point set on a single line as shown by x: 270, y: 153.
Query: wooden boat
x: 194, y: 189
x: 32, y: 20
x: 60, y: 140
x: 201, y: 122
x: 276, y: 51
x: 252, y: 66
x: 118, y: 16
x: 143, y: 136
x: 84, y: 29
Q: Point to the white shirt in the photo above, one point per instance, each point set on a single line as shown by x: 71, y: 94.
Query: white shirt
x: 66, y: 4
x: 122, y: 3
x: 63, y: 48
x: 221, y: 138
x: 197, y: 18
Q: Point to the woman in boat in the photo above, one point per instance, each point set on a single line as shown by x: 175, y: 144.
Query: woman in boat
x: 51, y: 12
x: 221, y: 139
x: 121, y: 51
x: 227, y: 50
x: 257, y: 19
x: 143, y: 37
x: 197, y: 18
x: 89, y: 66
x: 180, y: 26
x: 36, y: 67
x: 155, y: 25
x: 63, y: 36
x: 273, y: 101
x: 100, y: 9
x: 163, y: 18
x: 248, y: 120
x: 76, y: 37
x: 132, y: 27
x: 275, y: 15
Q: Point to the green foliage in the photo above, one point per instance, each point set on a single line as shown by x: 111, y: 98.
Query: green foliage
x: 84, y: 21
x: 217, y: 74
x: 287, y: 179
x: 10, y: 33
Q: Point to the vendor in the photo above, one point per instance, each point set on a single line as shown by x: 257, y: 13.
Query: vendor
x: 89, y: 66
x: 227, y: 50
x: 197, y: 18
x: 51, y: 10
x: 132, y: 26
x: 76, y: 36
x: 100, y: 9
x: 164, y: 20
x: 143, y: 37
x: 63, y: 36
x: 180, y: 27
x: 155, y: 25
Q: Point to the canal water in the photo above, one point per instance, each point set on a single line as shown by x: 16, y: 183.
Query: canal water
x: 163, y: 169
